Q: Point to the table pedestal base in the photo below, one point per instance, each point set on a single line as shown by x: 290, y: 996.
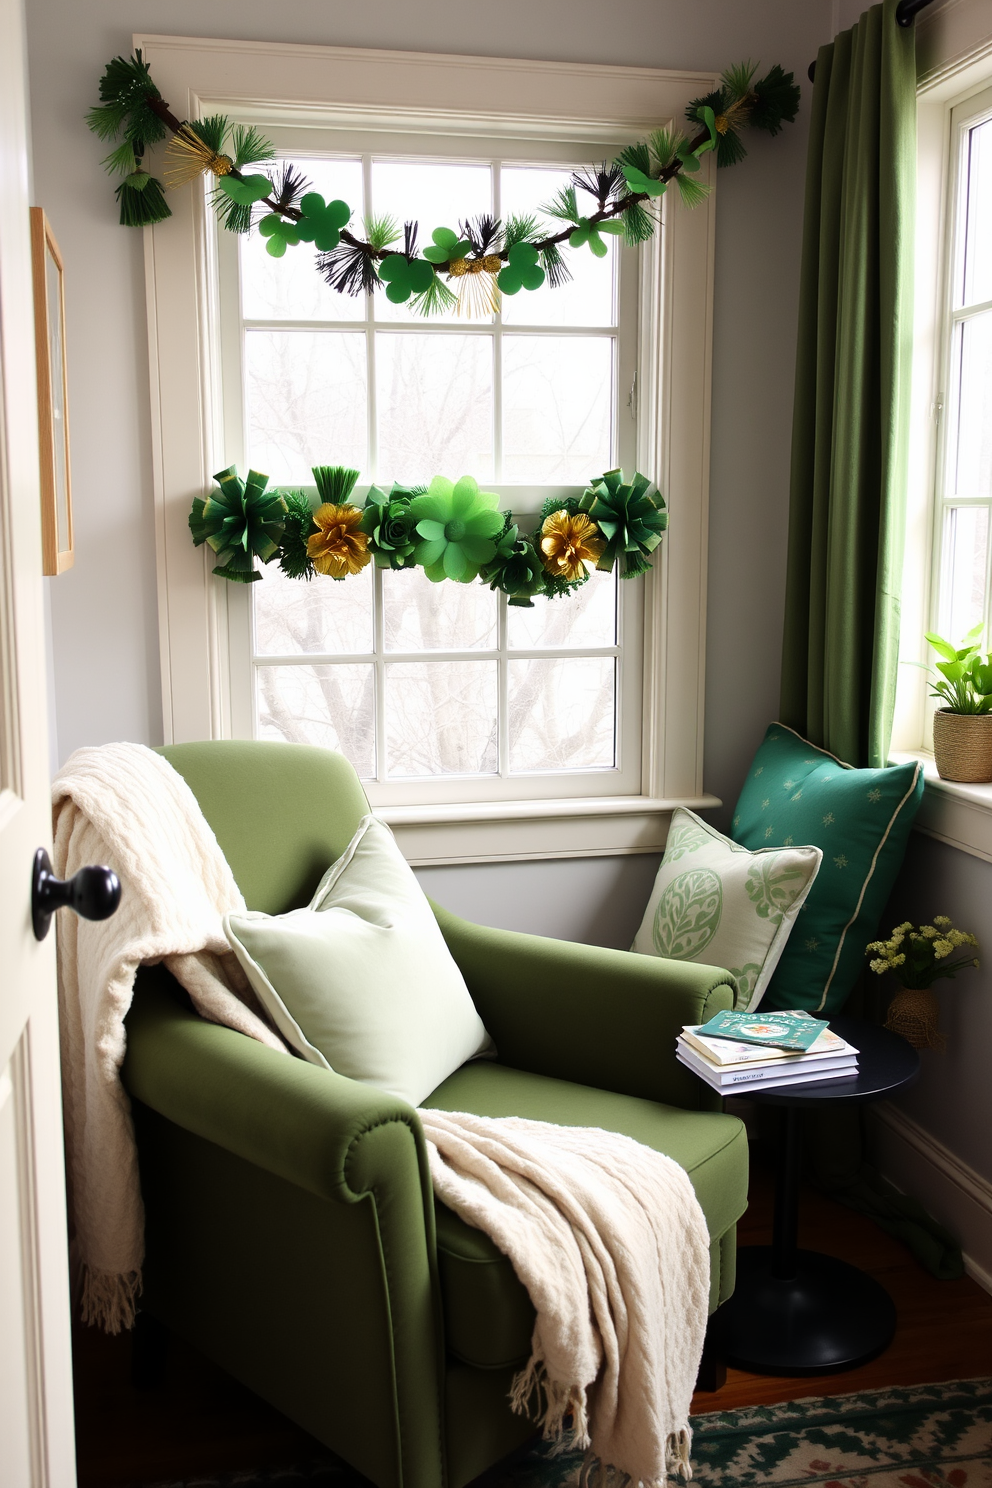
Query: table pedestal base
x: 828, y: 1316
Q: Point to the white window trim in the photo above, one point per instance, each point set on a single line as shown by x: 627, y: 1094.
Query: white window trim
x: 951, y: 812
x: 373, y: 89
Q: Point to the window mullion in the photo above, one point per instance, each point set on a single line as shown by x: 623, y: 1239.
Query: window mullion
x: 497, y: 169
x: 503, y: 696
x: 378, y: 644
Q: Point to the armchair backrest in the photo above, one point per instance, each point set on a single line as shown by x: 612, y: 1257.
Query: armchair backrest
x: 282, y: 813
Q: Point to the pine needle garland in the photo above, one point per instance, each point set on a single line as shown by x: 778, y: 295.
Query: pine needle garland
x: 380, y: 232
x: 190, y: 155
x: 234, y: 216
x: 776, y: 101
x: 349, y: 268
x: 250, y: 146
x: 436, y: 299
x: 518, y: 229
x: 638, y: 225
x: 638, y: 155
x: 486, y: 256
x: 122, y: 161
x: 294, y: 560
x: 605, y: 184
x: 141, y: 200
x: 125, y: 89
x: 664, y: 145
x: 212, y: 131
x: 563, y: 206
x: 691, y: 192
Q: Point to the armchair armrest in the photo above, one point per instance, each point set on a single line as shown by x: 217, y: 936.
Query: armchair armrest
x: 258, y: 1165
x: 328, y: 1134
x: 598, y: 1017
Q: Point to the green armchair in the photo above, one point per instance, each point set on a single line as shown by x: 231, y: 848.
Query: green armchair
x: 291, y: 1230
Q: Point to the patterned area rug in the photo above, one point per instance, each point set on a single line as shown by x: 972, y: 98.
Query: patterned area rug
x: 921, y: 1436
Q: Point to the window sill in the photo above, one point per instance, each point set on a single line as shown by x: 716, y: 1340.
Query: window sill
x: 509, y: 831
x: 953, y: 812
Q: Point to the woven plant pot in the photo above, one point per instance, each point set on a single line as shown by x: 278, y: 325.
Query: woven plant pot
x: 914, y: 1013
x: 962, y: 745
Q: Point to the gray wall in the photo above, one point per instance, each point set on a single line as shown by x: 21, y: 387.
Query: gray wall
x: 951, y: 1098
x: 104, y: 624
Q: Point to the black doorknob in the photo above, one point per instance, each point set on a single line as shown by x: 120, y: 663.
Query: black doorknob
x: 93, y: 893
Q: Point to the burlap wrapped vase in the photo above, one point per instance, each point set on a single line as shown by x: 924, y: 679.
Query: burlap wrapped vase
x: 914, y: 1013
x: 962, y: 745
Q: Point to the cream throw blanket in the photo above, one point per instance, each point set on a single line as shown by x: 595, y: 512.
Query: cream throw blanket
x: 125, y: 806
x: 610, y: 1242
x: 606, y: 1234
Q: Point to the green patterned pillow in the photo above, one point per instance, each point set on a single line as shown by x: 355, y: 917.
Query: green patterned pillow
x: 713, y: 901
x: 796, y: 792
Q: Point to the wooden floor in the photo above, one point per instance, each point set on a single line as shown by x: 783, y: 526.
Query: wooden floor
x: 201, y: 1421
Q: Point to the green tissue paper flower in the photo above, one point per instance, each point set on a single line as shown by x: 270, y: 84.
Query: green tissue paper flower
x: 447, y: 246
x: 631, y: 516
x: 515, y: 568
x: 588, y: 232
x: 281, y: 233
x: 457, y: 524
x: 322, y: 221
x: 405, y: 276
x: 241, y: 521
x: 641, y: 183
x: 391, y: 527
x: 522, y: 271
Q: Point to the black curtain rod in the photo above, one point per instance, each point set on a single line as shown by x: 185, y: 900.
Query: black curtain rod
x: 906, y: 13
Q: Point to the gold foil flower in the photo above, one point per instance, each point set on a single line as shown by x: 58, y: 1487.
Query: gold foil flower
x: 569, y: 543
x: 339, y: 548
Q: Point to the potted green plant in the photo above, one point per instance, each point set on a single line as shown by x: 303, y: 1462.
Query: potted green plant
x: 917, y: 957
x: 962, y: 728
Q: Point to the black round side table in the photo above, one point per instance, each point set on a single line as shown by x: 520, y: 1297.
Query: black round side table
x: 796, y: 1312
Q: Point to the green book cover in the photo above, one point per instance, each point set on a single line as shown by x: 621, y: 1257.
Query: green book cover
x: 790, y: 1030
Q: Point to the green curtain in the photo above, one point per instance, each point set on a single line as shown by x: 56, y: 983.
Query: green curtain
x: 850, y: 424
x: 849, y: 464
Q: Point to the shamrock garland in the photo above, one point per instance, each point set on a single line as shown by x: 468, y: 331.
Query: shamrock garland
x: 450, y: 529
x: 480, y: 260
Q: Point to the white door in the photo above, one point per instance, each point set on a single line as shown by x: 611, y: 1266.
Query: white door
x: 36, y: 1436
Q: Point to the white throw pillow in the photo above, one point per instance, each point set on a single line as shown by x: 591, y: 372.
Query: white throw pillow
x: 716, y: 902
x: 361, y: 982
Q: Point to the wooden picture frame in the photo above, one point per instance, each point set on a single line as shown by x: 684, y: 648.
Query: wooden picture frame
x: 53, y: 401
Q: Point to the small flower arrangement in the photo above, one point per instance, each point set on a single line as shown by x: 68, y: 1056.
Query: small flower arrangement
x: 918, y: 957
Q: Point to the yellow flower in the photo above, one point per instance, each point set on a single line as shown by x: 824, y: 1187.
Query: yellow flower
x: 928, y: 931
x: 569, y: 543
x: 879, y: 966
x: 942, y: 948
x: 338, y: 548
x: 898, y: 960
x: 942, y: 921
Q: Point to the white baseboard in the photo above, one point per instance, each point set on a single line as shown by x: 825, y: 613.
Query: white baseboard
x: 957, y: 1196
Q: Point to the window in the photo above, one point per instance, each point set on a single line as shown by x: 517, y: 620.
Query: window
x: 532, y: 779
x: 441, y: 690
x: 964, y: 461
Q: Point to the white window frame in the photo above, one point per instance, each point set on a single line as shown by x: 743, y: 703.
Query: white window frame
x: 963, y: 117
x: 388, y: 92
x: 622, y: 778
x: 954, y: 71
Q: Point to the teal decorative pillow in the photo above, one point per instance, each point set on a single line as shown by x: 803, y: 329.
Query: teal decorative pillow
x: 798, y: 793
x: 715, y: 902
x: 361, y: 981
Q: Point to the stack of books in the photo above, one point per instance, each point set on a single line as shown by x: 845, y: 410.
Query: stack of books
x: 736, y: 1050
